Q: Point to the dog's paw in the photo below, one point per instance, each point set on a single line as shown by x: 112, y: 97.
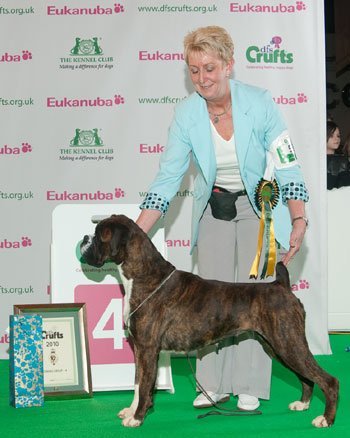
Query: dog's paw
x: 320, y: 421
x: 131, y: 422
x: 126, y: 413
x: 299, y: 406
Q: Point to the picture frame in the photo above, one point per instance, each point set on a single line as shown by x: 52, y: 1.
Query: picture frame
x: 67, y: 370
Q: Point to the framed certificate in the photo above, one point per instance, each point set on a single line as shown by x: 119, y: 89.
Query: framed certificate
x: 67, y: 371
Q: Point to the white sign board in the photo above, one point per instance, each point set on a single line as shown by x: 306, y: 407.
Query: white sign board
x: 111, y: 355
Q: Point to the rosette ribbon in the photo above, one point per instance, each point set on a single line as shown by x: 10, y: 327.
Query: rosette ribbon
x: 266, y: 198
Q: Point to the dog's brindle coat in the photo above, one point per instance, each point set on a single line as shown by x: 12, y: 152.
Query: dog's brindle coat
x: 188, y: 312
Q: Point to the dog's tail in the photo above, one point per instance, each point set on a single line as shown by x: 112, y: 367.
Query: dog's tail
x: 282, y: 275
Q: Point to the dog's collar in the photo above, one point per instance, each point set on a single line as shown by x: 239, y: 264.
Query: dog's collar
x: 148, y: 297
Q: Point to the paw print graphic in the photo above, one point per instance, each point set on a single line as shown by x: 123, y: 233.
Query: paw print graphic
x: 303, y: 284
x: 26, y: 241
x: 26, y: 147
x: 26, y: 55
x: 118, y: 8
x: 118, y: 99
x: 301, y: 6
x: 119, y: 193
x: 302, y: 98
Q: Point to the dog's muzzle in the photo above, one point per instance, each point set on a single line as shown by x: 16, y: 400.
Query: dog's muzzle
x: 90, y: 252
x: 85, y: 244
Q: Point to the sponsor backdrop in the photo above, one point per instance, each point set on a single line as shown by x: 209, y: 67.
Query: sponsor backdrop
x: 88, y: 89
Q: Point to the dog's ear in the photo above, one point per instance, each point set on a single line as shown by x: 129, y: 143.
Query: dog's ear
x: 118, y: 239
x: 106, y: 235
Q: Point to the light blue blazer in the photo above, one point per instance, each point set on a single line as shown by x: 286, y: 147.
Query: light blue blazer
x: 257, y: 123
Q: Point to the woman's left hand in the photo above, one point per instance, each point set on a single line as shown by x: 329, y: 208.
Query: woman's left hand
x: 295, y: 241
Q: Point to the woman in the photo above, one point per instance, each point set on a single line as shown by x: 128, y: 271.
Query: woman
x: 235, y: 135
x: 338, y: 166
x: 333, y: 138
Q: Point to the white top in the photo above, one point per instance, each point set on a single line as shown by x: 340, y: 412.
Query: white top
x: 227, y: 169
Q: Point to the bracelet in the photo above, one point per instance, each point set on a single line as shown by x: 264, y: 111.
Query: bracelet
x: 304, y: 218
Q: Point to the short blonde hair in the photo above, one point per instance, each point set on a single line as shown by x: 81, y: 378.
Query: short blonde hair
x: 207, y: 40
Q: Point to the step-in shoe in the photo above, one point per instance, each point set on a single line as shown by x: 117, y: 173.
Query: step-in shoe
x: 201, y: 400
x: 247, y: 402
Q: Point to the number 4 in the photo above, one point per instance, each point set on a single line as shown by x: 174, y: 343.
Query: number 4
x: 114, y: 310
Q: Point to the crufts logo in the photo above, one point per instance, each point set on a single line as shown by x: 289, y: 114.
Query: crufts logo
x: 271, y: 53
x: 52, y: 335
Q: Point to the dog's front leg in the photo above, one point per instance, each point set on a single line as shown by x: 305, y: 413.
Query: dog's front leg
x: 147, y: 362
x: 130, y: 411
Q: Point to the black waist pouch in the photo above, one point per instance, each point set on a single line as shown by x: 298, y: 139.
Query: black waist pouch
x: 223, y: 203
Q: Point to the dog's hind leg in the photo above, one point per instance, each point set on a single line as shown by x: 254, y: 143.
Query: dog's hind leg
x: 147, y: 365
x: 294, y: 352
x: 304, y: 403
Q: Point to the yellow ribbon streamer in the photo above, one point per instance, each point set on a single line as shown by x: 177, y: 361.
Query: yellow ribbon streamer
x: 266, y: 229
x: 271, y: 252
x: 255, y: 266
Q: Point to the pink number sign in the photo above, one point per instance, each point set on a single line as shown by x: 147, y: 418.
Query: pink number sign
x: 104, y: 306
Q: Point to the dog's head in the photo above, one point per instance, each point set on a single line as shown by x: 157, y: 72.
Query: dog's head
x: 108, y: 243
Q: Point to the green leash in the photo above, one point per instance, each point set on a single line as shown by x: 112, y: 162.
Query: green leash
x: 220, y: 410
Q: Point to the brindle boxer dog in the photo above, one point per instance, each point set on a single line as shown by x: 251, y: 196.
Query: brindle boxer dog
x: 167, y: 309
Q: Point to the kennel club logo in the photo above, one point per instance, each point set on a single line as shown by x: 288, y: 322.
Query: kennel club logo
x: 270, y: 56
x: 86, y: 145
x: 86, y: 54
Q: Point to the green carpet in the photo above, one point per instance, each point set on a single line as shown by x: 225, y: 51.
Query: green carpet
x: 173, y: 414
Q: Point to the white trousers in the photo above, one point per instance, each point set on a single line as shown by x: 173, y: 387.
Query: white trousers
x: 226, y: 251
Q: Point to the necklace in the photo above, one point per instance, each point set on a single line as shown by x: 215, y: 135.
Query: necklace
x: 216, y: 116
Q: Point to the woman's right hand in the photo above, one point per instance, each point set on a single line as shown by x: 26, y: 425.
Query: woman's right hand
x: 147, y: 219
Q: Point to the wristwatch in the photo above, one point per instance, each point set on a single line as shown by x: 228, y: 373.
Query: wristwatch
x: 304, y: 218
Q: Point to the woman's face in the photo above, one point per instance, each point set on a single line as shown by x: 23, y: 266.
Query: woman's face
x: 333, y: 141
x: 209, y: 75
